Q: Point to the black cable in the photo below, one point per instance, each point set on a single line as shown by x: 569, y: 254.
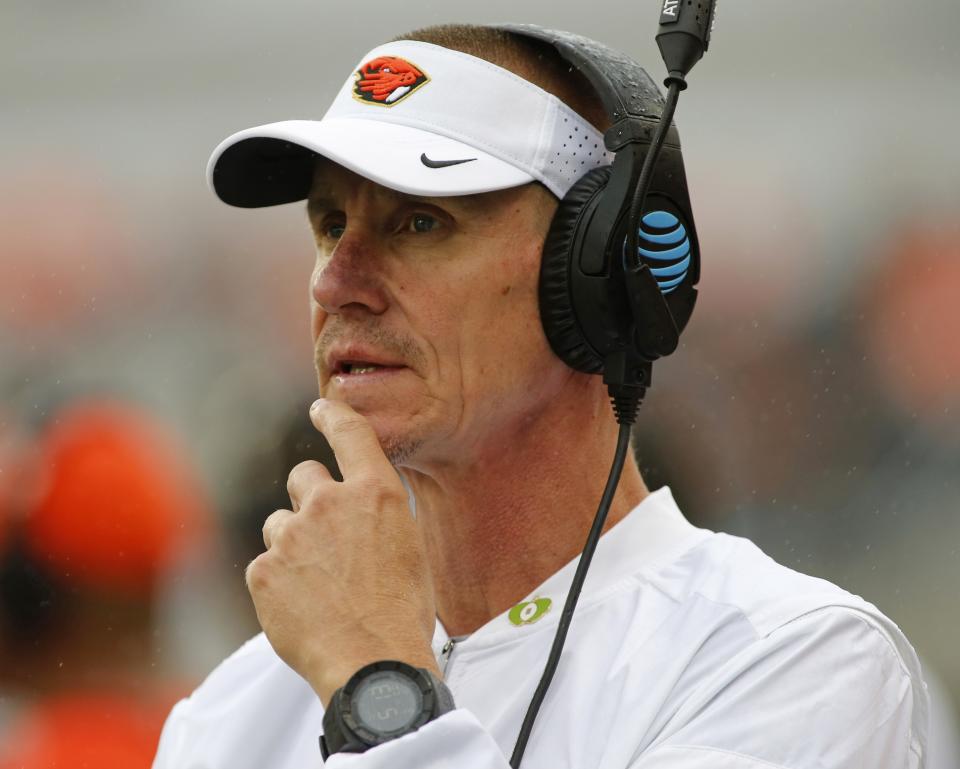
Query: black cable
x: 646, y: 173
x: 684, y: 36
x: 626, y: 402
x: 623, y: 444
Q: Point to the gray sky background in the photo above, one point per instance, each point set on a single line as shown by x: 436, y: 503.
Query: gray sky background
x: 816, y: 90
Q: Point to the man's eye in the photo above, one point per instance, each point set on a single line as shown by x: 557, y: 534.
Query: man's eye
x: 423, y: 223
x: 334, y: 230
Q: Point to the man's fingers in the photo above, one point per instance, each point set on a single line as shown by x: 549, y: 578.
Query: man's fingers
x: 352, y: 439
x: 275, y: 521
x: 302, y: 479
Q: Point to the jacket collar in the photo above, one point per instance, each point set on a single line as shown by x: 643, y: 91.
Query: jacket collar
x: 653, y: 531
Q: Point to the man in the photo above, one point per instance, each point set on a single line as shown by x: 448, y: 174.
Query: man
x: 688, y: 648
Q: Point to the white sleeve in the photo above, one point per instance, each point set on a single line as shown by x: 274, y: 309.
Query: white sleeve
x: 827, y: 690
x: 455, y: 740
x: 171, y: 738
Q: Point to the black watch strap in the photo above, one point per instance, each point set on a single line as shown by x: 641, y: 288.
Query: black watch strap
x: 343, y: 732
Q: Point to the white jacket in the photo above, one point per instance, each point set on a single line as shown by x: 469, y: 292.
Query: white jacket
x: 688, y: 650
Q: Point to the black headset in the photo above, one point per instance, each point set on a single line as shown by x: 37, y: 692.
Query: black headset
x: 588, y: 311
x: 604, y: 309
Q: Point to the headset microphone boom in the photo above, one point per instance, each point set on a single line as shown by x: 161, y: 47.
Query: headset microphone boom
x: 607, y: 303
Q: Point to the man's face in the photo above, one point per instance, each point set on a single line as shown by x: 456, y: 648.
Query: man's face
x: 442, y: 294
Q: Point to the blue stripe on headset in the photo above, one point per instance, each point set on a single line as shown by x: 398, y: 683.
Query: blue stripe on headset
x: 660, y: 219
x: 670, y: 284
x: 669, y: 238
x: 674, y: 269
x: 666, y: 256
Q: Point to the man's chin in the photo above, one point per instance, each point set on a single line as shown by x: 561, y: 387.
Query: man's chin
x: 399, y: 449
x: 397, y: 443
x: 392, y: 429
x: 400, y: 452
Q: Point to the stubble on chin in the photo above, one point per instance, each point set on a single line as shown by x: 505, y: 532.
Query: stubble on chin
x: 399, y: 449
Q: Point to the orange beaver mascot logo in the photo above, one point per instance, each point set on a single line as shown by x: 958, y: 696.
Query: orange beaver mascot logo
x: 386, y: 80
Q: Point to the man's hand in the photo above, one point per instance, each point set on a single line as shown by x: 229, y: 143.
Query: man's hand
x: 344, y: 580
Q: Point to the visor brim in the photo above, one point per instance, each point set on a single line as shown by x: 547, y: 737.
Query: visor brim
x: 273, y: 164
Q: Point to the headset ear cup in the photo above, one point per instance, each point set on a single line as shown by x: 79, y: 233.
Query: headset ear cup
x: 556, y: 300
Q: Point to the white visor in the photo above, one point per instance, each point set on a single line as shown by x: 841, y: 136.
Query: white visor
x: 420, y: 119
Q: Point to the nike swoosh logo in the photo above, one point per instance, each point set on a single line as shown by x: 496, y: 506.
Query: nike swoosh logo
x: 441, y: 163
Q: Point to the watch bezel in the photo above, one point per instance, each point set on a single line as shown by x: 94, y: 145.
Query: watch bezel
x: 416, y: 676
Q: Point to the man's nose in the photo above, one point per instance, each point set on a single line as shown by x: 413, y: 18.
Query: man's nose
x: 351, y: 278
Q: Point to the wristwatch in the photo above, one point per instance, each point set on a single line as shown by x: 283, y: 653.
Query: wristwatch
x: 381, y: 701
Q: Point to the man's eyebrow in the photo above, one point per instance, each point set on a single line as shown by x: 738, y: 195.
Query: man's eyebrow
x: 317, y: 204
x: 468, y: 202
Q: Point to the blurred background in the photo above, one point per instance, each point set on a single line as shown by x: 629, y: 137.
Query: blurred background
x: 149, y: 333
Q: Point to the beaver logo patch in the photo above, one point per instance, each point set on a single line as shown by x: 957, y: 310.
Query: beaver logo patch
x: 387, y: 80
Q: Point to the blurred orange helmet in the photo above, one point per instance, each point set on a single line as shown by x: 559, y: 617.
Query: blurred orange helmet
x: 117, y: 502
x: 914, y: 321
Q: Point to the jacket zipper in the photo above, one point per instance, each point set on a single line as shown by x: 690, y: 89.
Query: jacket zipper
x: 445, y: 653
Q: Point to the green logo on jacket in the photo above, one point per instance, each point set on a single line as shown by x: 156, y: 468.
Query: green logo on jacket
x: 528, y: 612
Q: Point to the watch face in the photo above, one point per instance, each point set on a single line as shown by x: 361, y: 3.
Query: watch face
x: 387, y: 701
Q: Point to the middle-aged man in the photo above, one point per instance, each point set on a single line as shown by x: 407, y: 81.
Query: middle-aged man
x: 418, y: 640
